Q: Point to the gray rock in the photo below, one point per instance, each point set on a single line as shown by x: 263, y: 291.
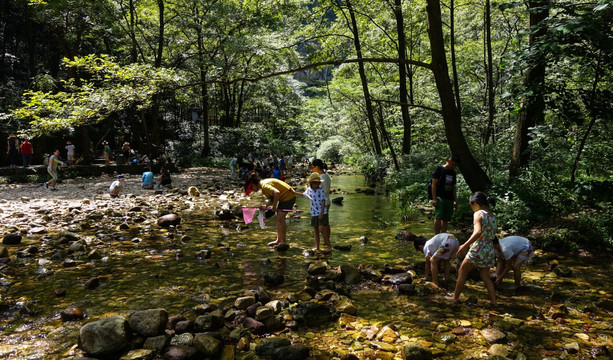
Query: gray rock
x: 416, y: 352
x: 402, y: 278
x: 312, y: 314
x: 254, y: 326
x: 92, y: 283
x: 138, y: 354
x: 274, y: 279
x: 150, y: 322
x: 185, y: 339
x: 181, y: 353
x: 351, y: 274
x: 4, y: 252
x: 292, y: 352
x: 104, y: 337
x: 207, y: 345
x: 274, y: 323
x: 209, y: 322
x: 244, y: 302
x: 276, y: 305
x: 494, y: 336
x: 168, y: 220
x: 267, y: 347
x: 346, y: 306
x: 184, y: 326
x: 156, y: 343
x: 319, y: 267
x: 263, y: 313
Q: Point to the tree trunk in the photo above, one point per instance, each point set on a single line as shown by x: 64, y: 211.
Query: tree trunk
x: 474, y: 175
x: 364, y: 80
x: 402, y: 75
x: 133, y: 53
x: 454, y: 68
x: 533, y: 107
x: 489, y: 132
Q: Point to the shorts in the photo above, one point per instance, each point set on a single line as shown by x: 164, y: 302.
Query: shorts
x: 448, y: 249
x: 70, y: 157
x: 526, y: 253
x: 444, y: 209
x: 53, y: 174
x: 287, y: 204
x: 315, y: 222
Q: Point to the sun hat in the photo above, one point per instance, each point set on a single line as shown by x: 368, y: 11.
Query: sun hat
x: 121, y: 177
x: 314, y: 177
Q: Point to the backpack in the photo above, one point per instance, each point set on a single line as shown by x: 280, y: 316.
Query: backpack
x: 429, y: 186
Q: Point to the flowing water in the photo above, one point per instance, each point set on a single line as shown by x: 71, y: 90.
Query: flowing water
x: 162, y: 271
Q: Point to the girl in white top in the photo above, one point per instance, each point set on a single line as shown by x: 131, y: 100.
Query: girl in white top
x: 438, y: 250
x: 511, y: 253
x: 326, y: 184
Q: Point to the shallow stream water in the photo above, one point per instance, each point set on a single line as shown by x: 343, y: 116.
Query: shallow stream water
x: 146, y: 267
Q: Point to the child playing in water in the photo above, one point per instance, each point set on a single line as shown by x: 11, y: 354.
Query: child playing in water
x: 512, y: 252
x: 480, y: 246
x: 319, y: 211
x: 438, y: 250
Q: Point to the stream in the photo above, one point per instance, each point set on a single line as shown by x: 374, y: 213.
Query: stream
x: 555, y: 315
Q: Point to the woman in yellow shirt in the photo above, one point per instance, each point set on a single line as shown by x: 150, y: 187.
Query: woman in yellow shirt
x: 280, y: 196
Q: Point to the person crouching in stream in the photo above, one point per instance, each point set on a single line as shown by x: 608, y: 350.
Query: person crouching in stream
x: 280, y: 196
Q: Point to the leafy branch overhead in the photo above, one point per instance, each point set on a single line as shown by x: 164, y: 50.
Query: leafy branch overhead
x: 99, y: 88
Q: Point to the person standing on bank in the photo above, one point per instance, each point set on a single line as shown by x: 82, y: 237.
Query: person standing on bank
x: 326, y: 184
x: 26, y: 152
x: 12, y: 149
x: 444, y: 193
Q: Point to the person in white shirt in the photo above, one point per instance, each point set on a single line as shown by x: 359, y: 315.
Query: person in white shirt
x: 70, y: 152
x: 511, y: 253
x: 439, y: 250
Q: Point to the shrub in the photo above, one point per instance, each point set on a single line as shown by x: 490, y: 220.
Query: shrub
x: 559, y: 240
x: 330, y: 150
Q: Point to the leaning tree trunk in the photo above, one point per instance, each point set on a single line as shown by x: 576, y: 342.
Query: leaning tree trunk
x: 402, y: 75
x: 533, y: 109
x: 489, y: 132
x: 474, y: 175
x: 369, y: 110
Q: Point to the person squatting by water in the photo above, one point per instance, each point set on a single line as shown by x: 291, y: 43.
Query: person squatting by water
x: 117, y: 186
x: 511, y: 252
x: 280, y: 196
x: 444, y: 193
x: 439, y: 250
x: 479, y: 248
x: 319, y: 209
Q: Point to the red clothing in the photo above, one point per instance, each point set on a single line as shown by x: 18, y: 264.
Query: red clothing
x: 26, y: 148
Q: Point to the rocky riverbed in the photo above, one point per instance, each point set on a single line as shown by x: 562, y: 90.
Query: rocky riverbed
x: 77, y: 266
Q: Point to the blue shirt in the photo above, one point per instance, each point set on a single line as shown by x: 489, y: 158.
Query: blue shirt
x: 147, y: 178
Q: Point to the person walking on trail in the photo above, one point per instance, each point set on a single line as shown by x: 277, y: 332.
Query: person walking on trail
x: 70, y: 152
x: 26, y: 152
x: 479, y: 248
x: 280, y: 196
x: 12, y: 149
x: 320, y: 167
x: 54, y: 163
x: 444, y: 193
x: 107, y: 153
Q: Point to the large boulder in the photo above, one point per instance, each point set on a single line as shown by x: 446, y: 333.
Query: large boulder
x: 207, y: 345
x: 416, y: 352
x: 351, y: 274
x: 268, y: 346
x: 292, y: 352
x: 312, y: 314
x: 104, y: 337
x: 168, y: 220
x: 150, y: 322
x: 11, y: 239
x: 181, y: 353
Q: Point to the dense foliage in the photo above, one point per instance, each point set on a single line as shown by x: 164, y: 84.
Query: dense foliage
x: 356, y: 81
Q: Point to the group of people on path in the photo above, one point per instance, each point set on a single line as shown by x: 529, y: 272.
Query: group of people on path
x: 14, y: 147
x: 282, y: 197
x: 482, y: 250
x: 266, y: 165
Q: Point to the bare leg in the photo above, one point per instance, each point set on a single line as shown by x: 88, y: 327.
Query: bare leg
x: 485, y: 276
x: 316, y: 229
x: 447, y: 265
x: 437, y: 226
x: 434, y: 261
x: 443, y: 226
x: 517, y: 272
x: 281, y: 226
x: 325, y: 232
x: 465, y: 268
